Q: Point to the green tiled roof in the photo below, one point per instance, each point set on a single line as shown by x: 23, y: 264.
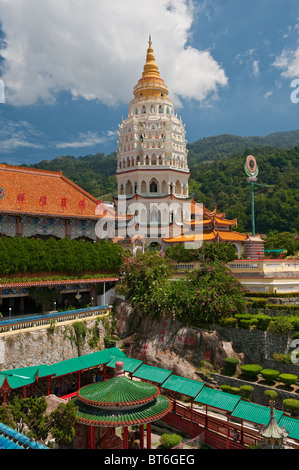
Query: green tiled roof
x: 154, y: 374
x: 217, y: 399
x: 254, y: 413
x: 129, y: 364
x: 148, y: 412
x: 291, y: 426
x: 183, y: 385
x: 21, y: 377
x: 118, y: 391
x: 85, y: 362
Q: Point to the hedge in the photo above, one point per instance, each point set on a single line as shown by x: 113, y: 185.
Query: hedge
x: 251, y: 370
x: 230, y: 365
x: 168, y: 441
x: 270, y: 375
x: 291, y: 404
x: 288, y: 379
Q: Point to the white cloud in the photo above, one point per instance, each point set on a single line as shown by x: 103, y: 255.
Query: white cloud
x: 86, y: 139
x: 255, y: 66
x: 288, y: 61
x: 267, y: 94
x: 18, y: 134
x: 96, y: 50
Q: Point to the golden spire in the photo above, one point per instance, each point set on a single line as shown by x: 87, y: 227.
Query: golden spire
x: 150, y: 68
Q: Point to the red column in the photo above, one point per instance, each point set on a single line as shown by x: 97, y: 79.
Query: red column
x: 49, y: 385
x: 141, y: 436
x: 92, y: 437
x: 227, y: 432
x: 24, y: 391
x: 148, y: 436
x: 126, y: 435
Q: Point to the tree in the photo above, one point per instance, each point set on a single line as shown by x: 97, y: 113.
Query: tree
x: 62, y: 421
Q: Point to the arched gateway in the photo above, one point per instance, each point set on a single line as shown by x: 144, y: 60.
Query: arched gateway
x: 119, y: 402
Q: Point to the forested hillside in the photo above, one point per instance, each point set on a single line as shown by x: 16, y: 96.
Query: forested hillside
x: 217, y: 177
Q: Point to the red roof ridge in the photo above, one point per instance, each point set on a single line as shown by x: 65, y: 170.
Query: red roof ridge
x: 22, y: 169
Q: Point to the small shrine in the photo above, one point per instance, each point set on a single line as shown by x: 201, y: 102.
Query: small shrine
x: 273, y: 436
x: 119, y: 402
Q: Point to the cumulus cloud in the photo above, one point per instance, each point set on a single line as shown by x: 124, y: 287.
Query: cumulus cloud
x: 288, y: 61
x: 14, y: 135
x: 96, y: 50
x: 86, y: 139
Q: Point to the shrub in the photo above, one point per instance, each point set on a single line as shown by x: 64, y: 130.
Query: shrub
x: 280, y: 325
x: 168, y: 441
x: 229, y: 322
x: 288, y: 379
x: 259, y: 303
x: 271, y: 394
x: 246, y: 391
x: 243, y: 316
x: 235, y: 391
x: 270, y: 375
x: 263, y: 321
x: 248, y: 323
x: 251, y: 370
x: 295, y: 322
x: 280, y: 357
x: 230, y: 365
x: 225, y: 388
x: 291, y: 404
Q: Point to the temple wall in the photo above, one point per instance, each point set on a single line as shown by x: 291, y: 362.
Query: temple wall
x: 43, y: 345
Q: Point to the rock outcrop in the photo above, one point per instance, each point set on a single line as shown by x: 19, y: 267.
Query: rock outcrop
x: 169, y: 343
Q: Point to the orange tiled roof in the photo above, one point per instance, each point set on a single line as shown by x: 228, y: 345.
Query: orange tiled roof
x: 41, y: 192
x: 209, y: 236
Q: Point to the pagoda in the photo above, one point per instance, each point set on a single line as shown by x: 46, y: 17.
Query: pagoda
x: 273, y: 436
x: 153, y: 175
x: 119, y: 402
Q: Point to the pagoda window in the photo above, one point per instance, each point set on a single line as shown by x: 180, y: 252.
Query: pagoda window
x: 154, y: 160
x: 178, y: 187
x: 153, y: 186
x: 137, y: 159
x: 167, y: 110
x: 160, y: 160
x: 135, y: 187
x: 143, y: 187
x: 128, y: 162
x: 121, y: 189
x: 136, y: 111
x: 161, y: 109
x: 143, y: 111
x: 124, y: 163
x: 147, y: 160
x: 129, y: 188
x: 164, y: 187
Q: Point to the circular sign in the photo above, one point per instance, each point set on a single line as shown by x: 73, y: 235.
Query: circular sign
x: 251, y: 168
x: 251, y: 163
x: 1, y: 193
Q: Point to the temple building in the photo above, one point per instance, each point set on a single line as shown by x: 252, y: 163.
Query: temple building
x: 152, y: 173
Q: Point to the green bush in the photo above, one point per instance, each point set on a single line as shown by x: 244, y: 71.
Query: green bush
x: 246, y: 391
x: 225, y: 388
x: 259, y: 303
x: 263, y: 321
x: 288, y: 379
x: 230, y: 365
x: 244, y: 323
x: 251, y: 370
x: 291, y: 404
x: 271, y: 394
x: 280, y: 357
x: 243, y: 316
x: 280, y: 325
x: 168, y: 441
x: 270, y: 375
x: 230, y: 322
x: 295, y: 322
x: 235, y: 390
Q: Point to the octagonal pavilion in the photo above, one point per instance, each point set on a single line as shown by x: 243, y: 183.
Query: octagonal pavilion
x: 119, y: 402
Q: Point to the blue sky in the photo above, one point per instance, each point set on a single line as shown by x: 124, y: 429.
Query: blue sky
x: 69, y: 67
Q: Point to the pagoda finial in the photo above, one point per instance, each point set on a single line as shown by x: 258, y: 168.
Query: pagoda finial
x: 150, y: 40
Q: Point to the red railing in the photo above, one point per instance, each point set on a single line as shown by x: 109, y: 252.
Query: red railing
x: 218, y: 433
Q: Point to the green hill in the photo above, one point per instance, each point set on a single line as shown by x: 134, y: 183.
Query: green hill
x: 217, y: 177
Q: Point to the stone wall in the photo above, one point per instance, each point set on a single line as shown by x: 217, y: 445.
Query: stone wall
x: 258, y: 346
x: 258, y: 394
x: 42, y: 345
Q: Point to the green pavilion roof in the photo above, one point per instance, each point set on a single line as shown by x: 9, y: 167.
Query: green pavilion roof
x: 130, y: 364
x: 154, y: 374
x: 254, y: 413
x: 291, y: 426
x: 217, y: 399
x: 21, y: 377
x: 183, y: 385
x: 118, y: 391
x: 123, y: 417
